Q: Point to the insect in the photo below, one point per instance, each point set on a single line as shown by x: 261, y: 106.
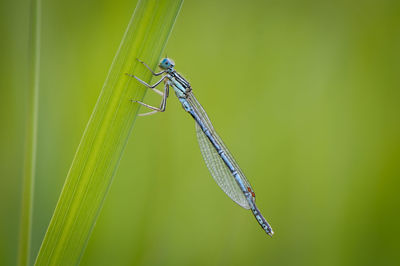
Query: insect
x: 217, y: 157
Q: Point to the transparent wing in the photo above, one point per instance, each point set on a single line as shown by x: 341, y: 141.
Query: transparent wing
x: 219, y: 170
x: 215, y: 164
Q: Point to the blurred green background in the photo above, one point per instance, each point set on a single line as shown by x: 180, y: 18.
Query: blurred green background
x: 305, y: 93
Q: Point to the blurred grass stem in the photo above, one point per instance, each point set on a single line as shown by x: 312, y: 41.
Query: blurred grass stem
x: 31, y: 135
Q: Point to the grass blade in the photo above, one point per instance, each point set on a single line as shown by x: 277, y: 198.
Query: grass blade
x: 106, y: 134
x: 31, y: 136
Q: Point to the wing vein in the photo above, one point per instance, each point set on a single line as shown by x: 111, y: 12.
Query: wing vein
x: 217, y: 167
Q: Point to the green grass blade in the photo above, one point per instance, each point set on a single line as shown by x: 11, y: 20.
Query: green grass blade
x: 106, y: 134
x: 31, y: 136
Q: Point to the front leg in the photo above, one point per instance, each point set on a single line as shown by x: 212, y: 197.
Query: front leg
x: 155, y: 74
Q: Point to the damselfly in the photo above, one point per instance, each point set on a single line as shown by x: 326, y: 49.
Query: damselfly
x: 219, y: 160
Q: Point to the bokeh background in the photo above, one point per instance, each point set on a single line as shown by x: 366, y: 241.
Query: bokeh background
x: 305, y: 93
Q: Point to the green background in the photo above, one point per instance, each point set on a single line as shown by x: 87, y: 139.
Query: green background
x: 305, y: 93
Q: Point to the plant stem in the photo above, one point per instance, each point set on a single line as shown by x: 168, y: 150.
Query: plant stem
x: 106, y: 134
x: 31, y: 136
